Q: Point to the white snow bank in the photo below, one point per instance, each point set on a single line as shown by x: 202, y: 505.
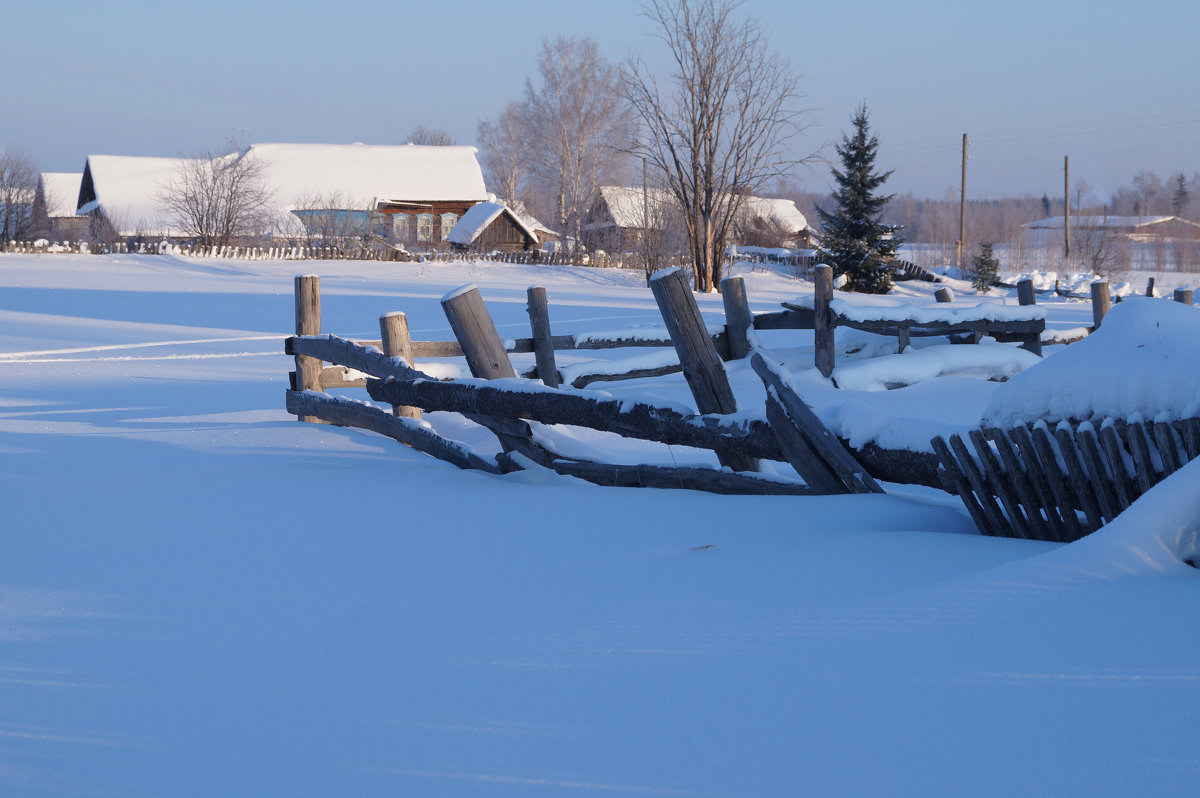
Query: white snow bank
x: 1143, y: 360
x: 864, y: 307
x: 1155, y: 535
x: 985, y: 362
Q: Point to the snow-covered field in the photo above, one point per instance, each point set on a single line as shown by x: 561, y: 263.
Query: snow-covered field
x: 200, y: 596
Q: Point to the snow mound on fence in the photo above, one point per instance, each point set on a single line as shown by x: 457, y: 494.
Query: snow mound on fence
x: 1143, y: 361
x: 985, y: 362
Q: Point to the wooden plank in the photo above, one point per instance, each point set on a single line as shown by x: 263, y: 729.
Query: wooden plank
x: 999, y: 481
x: 1044, y: 446
x: 794, y: 319
x: 702, y: 367
x: 823, y: 442
x: 1102, y: 479
x: 1078, y: 481
x: 307, y: 295
x: 738, y: 318
x: 346, y: 353
x: 925, y: 329
x: 689, y: 478
x: 1144, y: 471
x: 1025, y: 294
x: 823, y: 320
x: 543, y: 345
x: 349, y: 413
x: 1040, y: 482
x: 338, y: 377
x: 959, y: 480
x: 584, y: 380
x: 1168, y: 448
x: 902, y: 338
x: 997, y: 524
x: 1123, y: 483
x: 799, y: 452
x: 1190, y: 429
x: 1018, y: 477
x: 594, y: 410
x: 393, y: 327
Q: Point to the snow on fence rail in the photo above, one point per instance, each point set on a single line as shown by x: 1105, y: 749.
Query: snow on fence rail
x: 504, y: 404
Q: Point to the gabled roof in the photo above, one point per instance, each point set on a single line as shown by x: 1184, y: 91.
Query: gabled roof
x: 478, y: 217
x: 126, y: 189
x: 61, y: 192
x: 780, y: 211
x: 367, y: 174
x: 1105, y: 222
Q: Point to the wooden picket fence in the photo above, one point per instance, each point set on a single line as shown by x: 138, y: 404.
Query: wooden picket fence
x: 1063, y: 483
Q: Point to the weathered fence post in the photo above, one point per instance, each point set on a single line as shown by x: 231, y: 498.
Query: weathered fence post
x: 1183, y: 295
x: 702, y: 367
x: 476, y: 333
x: 823, y: 319
x: 738, y: 318
x: 308, y: 322
x: 943, y: 294
x: 393, y: 329
x: 1150, y: 287
x: 1025, y: 295
x: 1100, y: 302
x: 543, y: 347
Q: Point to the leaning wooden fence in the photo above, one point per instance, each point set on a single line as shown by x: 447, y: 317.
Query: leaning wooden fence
x: 1064, y: 482
x: 790, y: 434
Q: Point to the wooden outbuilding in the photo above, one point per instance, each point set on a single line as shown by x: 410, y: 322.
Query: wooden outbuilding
x: 493, y: 226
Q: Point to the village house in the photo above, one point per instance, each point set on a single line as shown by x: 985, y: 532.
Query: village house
x: 54, y: 203
x: 493, y: 227
x: 120, y: 195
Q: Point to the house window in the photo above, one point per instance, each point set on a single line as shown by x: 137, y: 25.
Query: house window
x: 448, y: 222
x: 425, y: 227
x: 378, y: 224
x: 400, y: 226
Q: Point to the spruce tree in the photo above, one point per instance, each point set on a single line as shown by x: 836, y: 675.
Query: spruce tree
x: 854, y: 240
x: 985, y: 266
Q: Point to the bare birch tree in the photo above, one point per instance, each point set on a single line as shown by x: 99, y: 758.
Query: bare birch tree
x: 218, y: 198
x: 504, y: 147
x: 430, y: 136
x: 18, y: 185
x: 578, y: 126
x: 722, y: 128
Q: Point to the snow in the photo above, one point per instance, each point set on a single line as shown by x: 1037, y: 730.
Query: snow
x: 61, y: 190
x: 986, y: 361
x: 201, y: 596
x: 1142, y: 361
x: 365, y: 174
x: 868, y: 307
x: 128, y: 189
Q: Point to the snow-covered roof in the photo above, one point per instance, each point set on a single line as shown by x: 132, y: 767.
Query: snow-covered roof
x: 61, y: 191
x: 478, y: 217
x: 781, y: 211
x: 625, y: 205
x: 1102, y: 222
x: 368, y: 174
x: 127, y: 190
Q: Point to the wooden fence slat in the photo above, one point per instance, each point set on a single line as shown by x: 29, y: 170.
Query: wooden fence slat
x: 1044, y: 446
x: 1102, y: 475
x: 543, y: 346
x: 1123, y: 482
x: 739, y: 321
x: 823, y: 320
x: 1037, y: 526
x: 1190, y: 429
x: 1040, y: 481
x: 997, y: 523
x: 1139, y: 446
x: 1077, y: 480
x: 798, y: 451
x: 1001, y: 483
x: 1168, y: 448
x: 709, y: 480
x: 963, y: 487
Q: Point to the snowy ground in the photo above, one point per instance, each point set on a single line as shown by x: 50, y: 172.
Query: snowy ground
x: 200, y: 596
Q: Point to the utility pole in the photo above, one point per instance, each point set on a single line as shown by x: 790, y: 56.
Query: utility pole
x: 1067, y: 208
x: 962, y: 210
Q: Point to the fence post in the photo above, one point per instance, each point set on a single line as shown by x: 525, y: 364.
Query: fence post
x: 393, y: 329
x: 308, y: 322
x: 476, y: 334
x: 1150, y: 287
x: 823, y: 358
x: 1183, y: 295
x: 1025, y: 295
x: 943, y: 294
x: 1100, y: 302
x: 738, y: 318
x: 702, y: 367
x: 543, y: 346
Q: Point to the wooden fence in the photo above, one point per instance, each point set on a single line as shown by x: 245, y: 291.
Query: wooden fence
x: 1063, y: 483
x: 791, y: 432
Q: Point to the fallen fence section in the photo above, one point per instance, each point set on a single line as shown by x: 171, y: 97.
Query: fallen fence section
x: 1059, y: 485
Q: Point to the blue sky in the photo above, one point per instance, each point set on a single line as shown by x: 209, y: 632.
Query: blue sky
x: 1110, y: 85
